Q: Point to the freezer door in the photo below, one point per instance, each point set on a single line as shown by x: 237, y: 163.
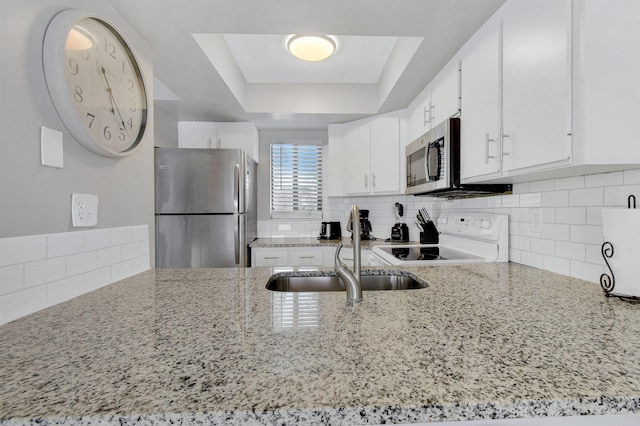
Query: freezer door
x: 197, y: 180
x: 200, y: 241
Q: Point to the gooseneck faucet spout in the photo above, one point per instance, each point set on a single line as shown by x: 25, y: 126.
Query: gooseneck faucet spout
x: 351, y: 279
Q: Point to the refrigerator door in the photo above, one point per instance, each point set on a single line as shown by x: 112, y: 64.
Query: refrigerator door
x: 251, y: 200
x: 200, y: 241
x: 198, y: 180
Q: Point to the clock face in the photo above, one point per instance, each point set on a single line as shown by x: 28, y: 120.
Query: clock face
x: 95, y: 83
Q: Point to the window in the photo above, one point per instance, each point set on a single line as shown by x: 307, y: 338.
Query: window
x: 296, y: 180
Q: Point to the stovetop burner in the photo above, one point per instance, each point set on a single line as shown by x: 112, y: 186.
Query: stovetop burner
x: 427, y: 253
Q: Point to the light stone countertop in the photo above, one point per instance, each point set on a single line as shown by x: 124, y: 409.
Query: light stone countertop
x: 214, y: 346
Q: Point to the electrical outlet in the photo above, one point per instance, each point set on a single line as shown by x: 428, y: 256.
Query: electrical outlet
x: 535, y: 220
x: 84, y: 210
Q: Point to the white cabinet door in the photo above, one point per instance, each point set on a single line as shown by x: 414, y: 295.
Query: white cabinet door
x: 418, y: 118
x: 481, y: 114
x: 385, y: 155
x: 357, y: 159
x: 445, y: 93
x: 239, y: 136
x: 536, y: 82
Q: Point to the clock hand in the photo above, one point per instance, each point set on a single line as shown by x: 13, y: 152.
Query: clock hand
x: 114, y: 105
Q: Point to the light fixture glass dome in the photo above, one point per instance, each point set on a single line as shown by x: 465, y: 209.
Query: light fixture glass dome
x: 311, y: 48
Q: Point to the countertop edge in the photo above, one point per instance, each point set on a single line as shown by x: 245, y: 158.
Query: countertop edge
x: 602, y: 405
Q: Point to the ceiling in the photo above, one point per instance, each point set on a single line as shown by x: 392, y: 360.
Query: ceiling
x: 225, y: 60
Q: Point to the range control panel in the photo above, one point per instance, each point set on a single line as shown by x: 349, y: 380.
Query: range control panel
x: 479, y: 225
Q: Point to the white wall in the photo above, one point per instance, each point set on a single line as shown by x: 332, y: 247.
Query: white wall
x: 37, y: 199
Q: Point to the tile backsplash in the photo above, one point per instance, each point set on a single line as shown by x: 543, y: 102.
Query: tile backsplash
x: 38, y: 271
x: 567, y: 242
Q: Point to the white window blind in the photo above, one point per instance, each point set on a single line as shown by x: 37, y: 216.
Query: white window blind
x: 296, y: 180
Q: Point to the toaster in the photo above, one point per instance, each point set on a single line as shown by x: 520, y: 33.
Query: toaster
x: 330, y: 231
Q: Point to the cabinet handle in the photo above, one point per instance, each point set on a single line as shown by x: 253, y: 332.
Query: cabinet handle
x: 505, y: 135
x: 486, y: 149
x: 425, y: 116
x: 271, y: 257
x: 432, y: 115
x: 373, y: 179
x: 366, y: 181
x: 306, y: 257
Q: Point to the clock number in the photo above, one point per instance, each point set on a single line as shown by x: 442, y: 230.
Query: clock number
x: 77, y: 94
x: 110, y: 48
x: 107, y: 133
x: 131, y: 86
x: 84, y: 54
x: 121, y: 135
x: 130, y: 122
x: 123, y: 66
x: 91, y: 117
x: 73, y: 64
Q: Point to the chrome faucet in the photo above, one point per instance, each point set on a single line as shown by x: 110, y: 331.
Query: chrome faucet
x: 351, y: 279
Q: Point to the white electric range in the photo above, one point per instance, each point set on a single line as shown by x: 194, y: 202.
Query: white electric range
x: 465, y: 237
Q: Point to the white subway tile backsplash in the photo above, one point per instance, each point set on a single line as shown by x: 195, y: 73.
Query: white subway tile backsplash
x: 586, y: 234
x: 558, y: 232
x: 96, y: 239
x: 512, y: 200
x: 520, y: 214
x: 571, y: 215
x: 531, y: 259
x: 49, y: 269
x: 11, y: 279
x: 631, y: 176
x: 540, y: 245
x: 569, y: 182
x: 109, y: 256
x: 570, y: 250
x: 121, y: 235
x: 604, y: 179
x: 556, y: 264
x: 586, y: 271
x: 594, y: 254
x: 64, y: 244
x: 548, y: 215
x: 615, y: 196
x: 44, y: 271
x: 20, y: 303
x: 81, y: 263
x: 586, y: 197
x: 533, y: 199
x: 520, y: 243
x: 555, y: 199
x: 521, y: 188
x: 541, y: 185
x: 22, y: 249
x: 68, y: 288
x: 514, y: 255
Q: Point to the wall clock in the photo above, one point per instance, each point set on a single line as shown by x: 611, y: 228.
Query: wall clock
x: 95, y: 83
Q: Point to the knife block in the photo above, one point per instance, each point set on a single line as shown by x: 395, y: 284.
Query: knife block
x: 430, y: 234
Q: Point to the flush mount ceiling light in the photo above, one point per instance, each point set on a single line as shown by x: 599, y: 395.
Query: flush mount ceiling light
x: 311, y: 48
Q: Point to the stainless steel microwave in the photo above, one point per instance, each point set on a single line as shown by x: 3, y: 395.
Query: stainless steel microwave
x: 433, y: 165
x: 429, y: 159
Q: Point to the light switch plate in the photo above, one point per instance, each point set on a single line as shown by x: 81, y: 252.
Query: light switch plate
x: 84, y: 210
x: 51, y: 147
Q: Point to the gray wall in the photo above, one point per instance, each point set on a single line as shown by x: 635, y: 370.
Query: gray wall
x: 37, y: 199
x: 267, y: 137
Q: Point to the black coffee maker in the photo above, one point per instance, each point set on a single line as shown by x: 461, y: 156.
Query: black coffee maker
x: 365, y: 225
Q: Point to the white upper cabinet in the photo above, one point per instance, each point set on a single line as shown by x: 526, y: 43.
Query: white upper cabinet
x: 367, y: 157
x: 437, y: 102
x: 481, y: 114
x: 536, y: 83
x: 200, y: 134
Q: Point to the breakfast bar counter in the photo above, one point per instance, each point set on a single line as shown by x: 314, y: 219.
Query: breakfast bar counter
x: 482, y: 341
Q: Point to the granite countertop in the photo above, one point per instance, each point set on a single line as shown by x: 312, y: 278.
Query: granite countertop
x: 214, y: 346
x: 315, y: 242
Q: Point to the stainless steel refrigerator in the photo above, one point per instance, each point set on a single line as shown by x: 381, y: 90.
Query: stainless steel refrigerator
x: 205, y: 207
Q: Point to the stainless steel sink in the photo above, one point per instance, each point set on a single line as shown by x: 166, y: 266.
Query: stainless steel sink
x: 297, y: 283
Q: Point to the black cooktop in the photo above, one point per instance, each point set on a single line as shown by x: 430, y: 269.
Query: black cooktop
x: 427, y: 253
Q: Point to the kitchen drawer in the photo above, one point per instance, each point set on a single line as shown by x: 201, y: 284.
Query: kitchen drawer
x: 269, y: 257
x: 302, y: 256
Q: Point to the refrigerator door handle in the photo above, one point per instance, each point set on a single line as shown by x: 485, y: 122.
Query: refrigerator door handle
x: 241, y: 173
x: 236, y: 187
x: 237, y: 240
